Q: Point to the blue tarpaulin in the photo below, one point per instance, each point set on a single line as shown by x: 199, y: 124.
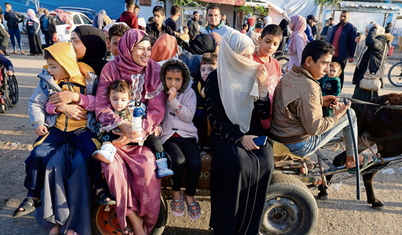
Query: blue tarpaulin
x: 113, y: 8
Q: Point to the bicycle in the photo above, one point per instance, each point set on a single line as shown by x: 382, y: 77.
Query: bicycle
x: 395, y: 74
x: 283, y: 60
x: 9, y: 90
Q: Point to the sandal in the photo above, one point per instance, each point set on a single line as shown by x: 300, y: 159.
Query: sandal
x: 29, y: 205
x: 365, y: 165
x: 178, y: 205
x: 194, y: 211
x: 102, y: 196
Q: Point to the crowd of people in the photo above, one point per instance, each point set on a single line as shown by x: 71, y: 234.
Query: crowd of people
x: 119, y: 101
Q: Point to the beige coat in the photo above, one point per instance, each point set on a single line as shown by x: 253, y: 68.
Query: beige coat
x: 297, y: 108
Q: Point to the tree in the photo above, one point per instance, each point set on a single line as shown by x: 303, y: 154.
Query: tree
x: 35, y: 2
x: 322, y: 4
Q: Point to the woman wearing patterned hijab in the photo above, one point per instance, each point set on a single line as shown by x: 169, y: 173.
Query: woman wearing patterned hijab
x: 236, y: 101
x: 131, y: 176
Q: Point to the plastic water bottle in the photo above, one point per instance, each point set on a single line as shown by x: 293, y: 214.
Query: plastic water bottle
x: 137, y: 120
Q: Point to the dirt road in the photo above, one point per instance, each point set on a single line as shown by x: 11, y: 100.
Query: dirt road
x: 341, y: 214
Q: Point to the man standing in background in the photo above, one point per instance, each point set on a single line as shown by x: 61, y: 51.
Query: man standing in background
x: 343, y: 39
x: 215, y: 24
x: 193, y: 26
x: 225, y: 20
x: 13, y: 19
x: 128, y: 16
x: 48, y: 27
x: 174, y: 16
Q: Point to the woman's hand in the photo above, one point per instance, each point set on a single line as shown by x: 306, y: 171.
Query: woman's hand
x: 133, y: 136
x: 329, y: 101
x: 64, y: 97
x: 72, y: 111
x: 172, y: 93
x: 248, y: 143
x: 262, y: 76
x: 123, y: 140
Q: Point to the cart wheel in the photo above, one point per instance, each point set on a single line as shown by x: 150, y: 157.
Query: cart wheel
x: 104, y: 219
x: 4, y: 108
x: 290, y: 207
x: 11, y: 90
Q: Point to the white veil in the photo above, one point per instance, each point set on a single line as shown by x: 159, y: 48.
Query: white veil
x: 237, y: 81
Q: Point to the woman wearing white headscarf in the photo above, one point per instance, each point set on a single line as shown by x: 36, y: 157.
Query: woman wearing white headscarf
x: 33, y: 31
x: 372, y: 59
x: 236, y: 100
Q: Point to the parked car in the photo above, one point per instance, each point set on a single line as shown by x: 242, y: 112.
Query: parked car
x: 63, y: 29
x: 86, y: 11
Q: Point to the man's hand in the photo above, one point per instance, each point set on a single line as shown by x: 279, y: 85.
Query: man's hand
x: 248, y: 143
x: 72, y: 111
x: 10, y: 73
x: 262, y: 76
x: 64, y: 97
x: 41, y: 130
x: 351, y: 60
x: 341, y: 109
x: 329, y: 101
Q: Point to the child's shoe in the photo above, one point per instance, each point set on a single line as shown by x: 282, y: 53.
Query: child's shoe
x: 105, y: 154
x: 194, y: 211
x: 163, y: 170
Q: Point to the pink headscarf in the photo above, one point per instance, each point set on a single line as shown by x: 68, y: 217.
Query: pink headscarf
x: 298, y: 27
x: 126, y: 65
x: 32, y: 16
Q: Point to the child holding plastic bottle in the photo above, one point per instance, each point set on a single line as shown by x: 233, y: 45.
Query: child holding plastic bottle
x: 119, y: 94
x: 180, y: 137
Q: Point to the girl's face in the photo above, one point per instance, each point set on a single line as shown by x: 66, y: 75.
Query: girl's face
x: 174, y: 79
x: 118, y: 100
x: 78, y: 46
x: 333, y: 71
x: 141, y: 53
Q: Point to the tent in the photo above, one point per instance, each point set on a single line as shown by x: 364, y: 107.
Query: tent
x: 113, y: 8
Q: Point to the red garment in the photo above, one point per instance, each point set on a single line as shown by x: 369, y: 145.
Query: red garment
x: 274, y: 76
x: 335, y: 42
x: 130, y: 19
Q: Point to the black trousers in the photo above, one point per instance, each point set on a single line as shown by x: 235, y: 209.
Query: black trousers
x: 152, y: 142
x: 48, y: 39
x: 239, y: 185
x: 184, y: 152
x: 343, y: 65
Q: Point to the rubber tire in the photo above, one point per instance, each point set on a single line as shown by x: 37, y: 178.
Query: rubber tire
x: 4, y: 108
x: 157, y: 230
x: 389, y: 74
x: 288, y: 187
x: 283, y: 57
x: 13, y: 96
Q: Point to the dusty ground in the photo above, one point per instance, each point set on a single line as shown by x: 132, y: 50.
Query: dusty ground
x: 341, y: 214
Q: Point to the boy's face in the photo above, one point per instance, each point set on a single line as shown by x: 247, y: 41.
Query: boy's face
x: 118, y: 100
x: 56, y: 70
x: 269, y: 44
x: 174, y: 79
x: 107, y: 40
x: 185, y: 30
x: 136, y: 11
x: 320, y: 68
x: 206, y: 69
x: 333, y: 71
x: 112, y: 44
x: 159, y: 18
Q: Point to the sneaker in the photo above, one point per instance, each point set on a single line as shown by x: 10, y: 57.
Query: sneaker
x: 163, y: 170
x: 105, y: 154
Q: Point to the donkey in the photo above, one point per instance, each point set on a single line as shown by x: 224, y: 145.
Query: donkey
x: 376, y: 123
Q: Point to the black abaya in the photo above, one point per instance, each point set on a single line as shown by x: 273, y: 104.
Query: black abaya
x: 239, y: 178
x: 35, y: 44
